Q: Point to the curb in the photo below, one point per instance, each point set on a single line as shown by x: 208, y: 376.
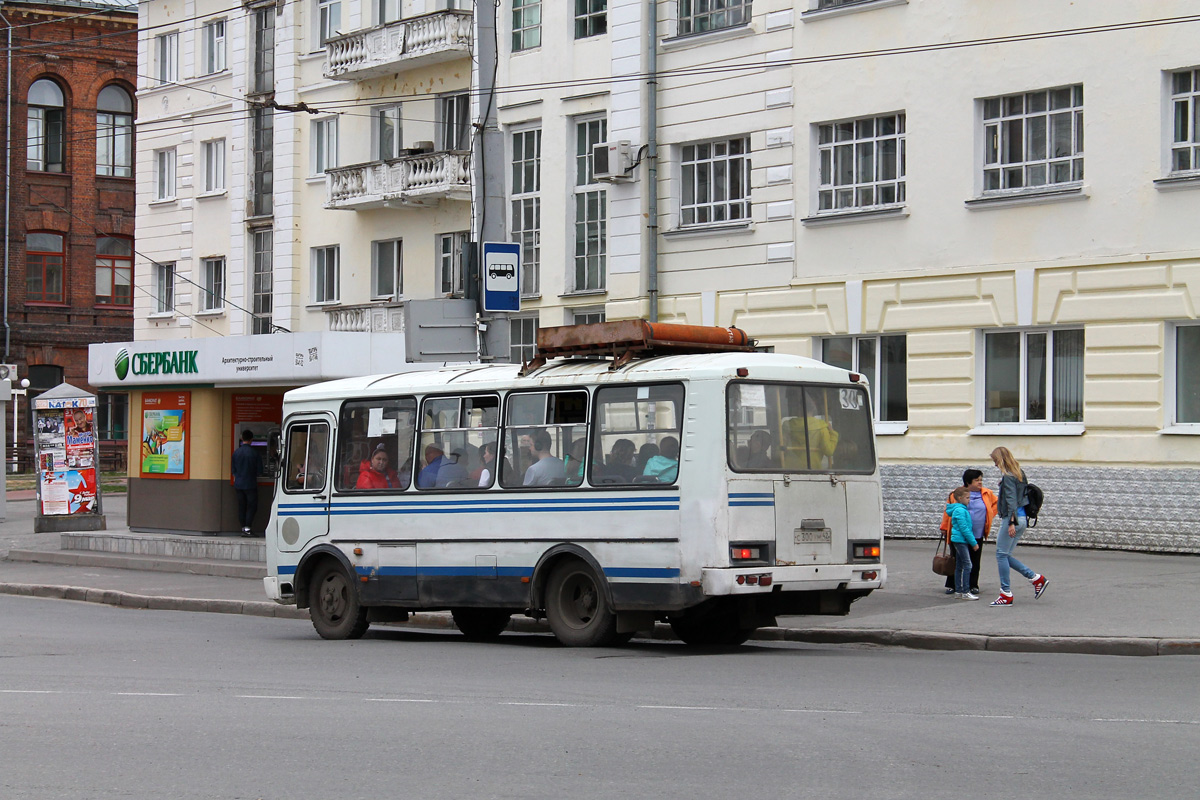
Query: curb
x: 882, y: 637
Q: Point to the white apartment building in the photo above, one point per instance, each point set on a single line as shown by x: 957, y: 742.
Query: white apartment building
x: 987, y: 209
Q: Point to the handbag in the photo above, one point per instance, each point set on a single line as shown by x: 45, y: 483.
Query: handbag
x: 943, y: 558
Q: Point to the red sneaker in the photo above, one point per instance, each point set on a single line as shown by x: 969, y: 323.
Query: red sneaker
x: 1039, y: 586
x: 1003, y: 600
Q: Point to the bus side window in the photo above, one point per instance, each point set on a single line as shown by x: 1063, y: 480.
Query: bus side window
x: 307, y: 455
x: 545, y: 439
x: 452, y: 451
x: 375, y: 439
x: 637, y: 435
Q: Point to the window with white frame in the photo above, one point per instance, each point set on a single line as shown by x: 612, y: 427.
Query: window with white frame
x: 166, y: 52
x: 329, y: 19
x: 164, y: 174
x: 387, y: 269
x: 862, y: 163
x: 450, y: 254
x: 325, y: 274
x: 1033, y: 376
x: 591, y: 18
x: 1185, y: 120
x: 526, y: 24
x: 591, y: 209
x: 454, y: 122
x: 46, y: 120
x: 1033, y: 139
x: 385, y: 132
x: 388, y: 11
x: 522, y: 339
x: 1186, y: 368
x: 588, y: 316
x: 212, y: 293
x: 164, y: 288
x: 527, y: 205
x: 114, y: 132
x: 324, y: 144
x: 214, y: 165
x: 884, y: 361
x: 214, y: 46
x: 262, y: 287
x: 716, y: 182
x: 698, y: 16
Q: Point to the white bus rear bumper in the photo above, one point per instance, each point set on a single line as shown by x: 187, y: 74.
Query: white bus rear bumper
x: 850, y: 577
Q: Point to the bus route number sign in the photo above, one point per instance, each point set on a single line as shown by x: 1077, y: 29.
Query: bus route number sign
x: 501, y: 276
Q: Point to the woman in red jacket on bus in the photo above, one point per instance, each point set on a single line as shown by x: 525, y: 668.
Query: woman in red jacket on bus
x: 375, y: 473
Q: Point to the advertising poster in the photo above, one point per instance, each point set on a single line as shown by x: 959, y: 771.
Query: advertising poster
x: 69, y: 492
x: 165, y: 434
x: 66, y: 458
x: 261, y: 414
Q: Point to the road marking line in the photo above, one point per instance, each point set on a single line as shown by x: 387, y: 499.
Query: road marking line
x: 28, y: 691
x: 1155, y: 721
x: 821, y: 711
x: 269, y: 697
x: 689, y: 708
x: 396, y: 700
x: 148, y: 694
x: 556, y: 705
x: 982, y: 716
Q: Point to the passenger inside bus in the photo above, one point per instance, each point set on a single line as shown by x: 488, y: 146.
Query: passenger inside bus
x: 574, y: 464
x: 664, y: 467
x: 620, y: 467
x: 434, y: 457
x: 548, y: 469
x: 453, y: 471
x: 648, y: 451
x: 822, y: 440
x: 376, y: 474
x: 758, y: 455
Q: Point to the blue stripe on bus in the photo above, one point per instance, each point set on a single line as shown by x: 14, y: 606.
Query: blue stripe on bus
x: 338, y: 512
x: 287, y: 570
x: 641, y: 572
x: 434, y: 503
x: 506, y: 572
x: 764, y: 503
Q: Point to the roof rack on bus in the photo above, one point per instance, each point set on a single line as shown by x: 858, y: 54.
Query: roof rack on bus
x: 628, y: 339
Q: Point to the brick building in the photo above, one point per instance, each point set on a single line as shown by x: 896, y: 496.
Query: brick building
x: 68, y: 201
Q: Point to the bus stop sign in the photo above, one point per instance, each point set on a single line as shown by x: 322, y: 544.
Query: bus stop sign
x: 501, y: 276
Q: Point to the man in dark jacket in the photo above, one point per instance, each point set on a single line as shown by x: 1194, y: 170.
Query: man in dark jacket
x: 246, y: 466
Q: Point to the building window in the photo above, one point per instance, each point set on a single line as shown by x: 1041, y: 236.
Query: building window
x: 698, y: 16
x: 214, y: 46
x: 385, y: 132
x: 454, y: 113
x: 884, y: 362
x: 114, y: 132
x: 527, y: 205
x: 1185, y: 130
x: 112, y: 416
x: 1033, y: 376
x: 47, y: 121
x: 325, y: 269
x: 522, y: 339
x: 387, y: 269
x: 164, y: 174
x: 587, y: 317
x: 214, y: 166
x: 716, y: 182
x: 114, y: 271
x: 862, y: 163
x: 263, y: 283
x: 164, y: 288
x: 166, y: 49
x: 262, y: 143
x: 591, y: 18
x: 212, y: 293
x: 324, y: 145
x: 1187, y: 375
x: 44, y: 259
x: 526, y: 24
x: 389, y: 10
x: 329, y: 19
x: 450, y: 254
x: 591, y: 209
x: 1033, y: 140
x: 264, y: 49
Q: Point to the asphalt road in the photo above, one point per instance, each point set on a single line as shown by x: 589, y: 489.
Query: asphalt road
x: 102, y: 702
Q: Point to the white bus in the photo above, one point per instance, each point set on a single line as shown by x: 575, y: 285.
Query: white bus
x: 714, y: 491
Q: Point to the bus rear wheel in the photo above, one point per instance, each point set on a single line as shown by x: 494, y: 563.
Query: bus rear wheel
x: 717, y: 626
x: 333, y: 604
x: 481, y: 624
x: 577, y: 608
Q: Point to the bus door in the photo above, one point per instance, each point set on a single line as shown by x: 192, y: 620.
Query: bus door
x: 810, y: 520
x: 303, y: 506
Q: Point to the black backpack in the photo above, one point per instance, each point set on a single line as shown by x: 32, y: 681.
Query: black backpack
x: 1033, y: 503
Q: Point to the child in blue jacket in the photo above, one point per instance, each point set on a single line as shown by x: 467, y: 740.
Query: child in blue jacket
x: 963, y: 540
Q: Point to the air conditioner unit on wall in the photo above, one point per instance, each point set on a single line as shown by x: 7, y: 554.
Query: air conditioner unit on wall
x: 612, y: 162
x: 8, y: 372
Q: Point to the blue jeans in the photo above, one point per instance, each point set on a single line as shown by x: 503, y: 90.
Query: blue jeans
x: 1005, y: 544
x: 962, y: 567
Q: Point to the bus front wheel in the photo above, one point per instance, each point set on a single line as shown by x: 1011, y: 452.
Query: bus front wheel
x: 577, y: 608
x: 480, y: 624
x: 334, y: 606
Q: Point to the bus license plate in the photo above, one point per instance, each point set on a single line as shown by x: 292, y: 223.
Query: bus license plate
x: 812, y: 536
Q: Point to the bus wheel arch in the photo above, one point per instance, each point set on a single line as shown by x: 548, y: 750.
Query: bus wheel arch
x: 579, y: 605
x: 550, y: 560
x: 309, y: 564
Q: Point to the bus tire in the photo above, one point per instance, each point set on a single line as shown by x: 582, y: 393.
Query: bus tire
x: 481, y: 624
x: 577, y: 607
x: 333, y: 604
x: 717, y: 626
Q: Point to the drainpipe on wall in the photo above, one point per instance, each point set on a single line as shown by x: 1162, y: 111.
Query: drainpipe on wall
x: 652, y: 153
x: 7, y: 172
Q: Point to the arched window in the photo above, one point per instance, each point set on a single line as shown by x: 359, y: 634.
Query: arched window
x: 114, y: 271
x: 47, y: 122
x: 44, y: 257
x: 114, y: 132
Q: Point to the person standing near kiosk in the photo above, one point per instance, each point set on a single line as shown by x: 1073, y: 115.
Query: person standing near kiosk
x: 246, y: 466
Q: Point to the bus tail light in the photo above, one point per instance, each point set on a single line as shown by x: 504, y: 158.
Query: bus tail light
x: 754, y: 580
x: 746, y: 554
x: 866, y: 551
x: 870, y: 576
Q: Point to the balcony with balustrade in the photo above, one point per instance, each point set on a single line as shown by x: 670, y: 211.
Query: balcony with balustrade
x: 397, y: 46
x: 413, y: 180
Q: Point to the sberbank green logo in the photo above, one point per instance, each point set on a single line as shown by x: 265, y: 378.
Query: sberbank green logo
x: 122, y: 363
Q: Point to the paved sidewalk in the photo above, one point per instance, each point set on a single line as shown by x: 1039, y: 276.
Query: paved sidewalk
x: 1098, y: 601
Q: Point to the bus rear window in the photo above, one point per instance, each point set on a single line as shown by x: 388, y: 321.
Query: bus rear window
x: 794, y: 428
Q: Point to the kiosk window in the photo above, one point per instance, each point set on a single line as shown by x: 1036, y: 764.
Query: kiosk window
x: 545, y: 439
x: 307, y: 456
x: 375, y: 444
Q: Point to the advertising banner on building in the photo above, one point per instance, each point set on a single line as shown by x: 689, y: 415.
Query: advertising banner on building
x: 66, y: 449
x: 165, y: 420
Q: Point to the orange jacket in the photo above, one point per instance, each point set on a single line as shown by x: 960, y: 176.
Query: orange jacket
x: 990, y: 504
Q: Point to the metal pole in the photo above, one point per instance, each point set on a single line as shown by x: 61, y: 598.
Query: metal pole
x: 652, y: 154
x: 8, y: 101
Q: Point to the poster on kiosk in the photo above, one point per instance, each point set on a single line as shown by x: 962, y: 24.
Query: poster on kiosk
x: 67, y: 454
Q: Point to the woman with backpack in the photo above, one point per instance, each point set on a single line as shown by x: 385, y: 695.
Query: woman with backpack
x: 1013, y: 520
